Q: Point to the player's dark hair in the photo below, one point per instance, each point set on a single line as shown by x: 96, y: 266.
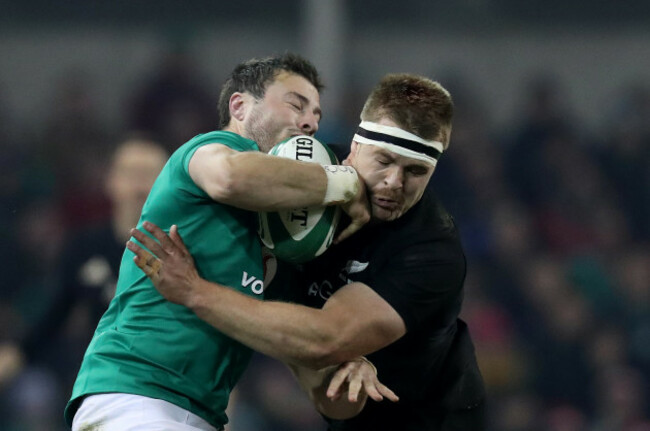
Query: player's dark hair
x: 415, y: 103
x: 253, y: 77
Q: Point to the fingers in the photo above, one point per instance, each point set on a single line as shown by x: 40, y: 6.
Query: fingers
x: 386, y: 392
x: 360, y: 213
x: 358, y: 377
x: 354, y: 387
x: 146, y: 261
x: 335, y: 388
x: 148, y: 242
x: 166, y: 242
x: 376, y: 390
x: 176, y: 238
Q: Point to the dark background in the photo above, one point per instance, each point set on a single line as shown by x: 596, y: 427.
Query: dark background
x: 547, y: 174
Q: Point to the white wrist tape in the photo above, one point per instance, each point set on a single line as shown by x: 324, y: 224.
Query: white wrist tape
x: 342, y: 184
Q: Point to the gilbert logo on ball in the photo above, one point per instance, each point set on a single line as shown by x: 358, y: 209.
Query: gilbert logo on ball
x: 301, y: 234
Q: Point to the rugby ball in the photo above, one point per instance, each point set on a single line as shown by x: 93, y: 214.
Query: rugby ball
x: 301, y: 234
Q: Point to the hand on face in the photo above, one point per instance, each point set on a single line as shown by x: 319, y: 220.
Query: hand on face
x: 358, y: 209
x: 394, y: 183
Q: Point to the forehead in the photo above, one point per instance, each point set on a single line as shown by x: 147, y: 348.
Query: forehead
x: 286, y: 82
x: 375, y: 151
x: 135, y: 155
x: 401, y: 159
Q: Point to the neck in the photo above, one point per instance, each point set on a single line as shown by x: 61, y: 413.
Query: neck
x: 235, y: 127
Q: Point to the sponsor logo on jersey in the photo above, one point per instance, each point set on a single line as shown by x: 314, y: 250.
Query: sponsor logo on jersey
x: 354, y: 266
x: 323, y: 290
x: 256, y: 285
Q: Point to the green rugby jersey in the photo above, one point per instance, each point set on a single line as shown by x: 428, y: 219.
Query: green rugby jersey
x: 148, y: 346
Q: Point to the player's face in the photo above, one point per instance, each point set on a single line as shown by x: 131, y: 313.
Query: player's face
x: 394, y: 183
x: 134, y: 170
x: 290, y: 107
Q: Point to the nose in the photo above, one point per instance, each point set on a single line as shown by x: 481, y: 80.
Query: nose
x: 394, y: 177
x: 309, y: 123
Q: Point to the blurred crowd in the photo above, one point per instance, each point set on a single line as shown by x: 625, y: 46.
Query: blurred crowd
x: 554, y: 215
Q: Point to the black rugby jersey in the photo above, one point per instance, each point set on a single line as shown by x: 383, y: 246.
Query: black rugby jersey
x: 416, y: 263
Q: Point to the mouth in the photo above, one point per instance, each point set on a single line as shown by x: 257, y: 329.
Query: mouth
x: 385, y: 203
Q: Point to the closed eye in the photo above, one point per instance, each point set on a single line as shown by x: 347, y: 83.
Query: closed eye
x: 417, y: 171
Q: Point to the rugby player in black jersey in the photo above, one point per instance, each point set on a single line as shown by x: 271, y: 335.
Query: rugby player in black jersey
x: 393, y: 291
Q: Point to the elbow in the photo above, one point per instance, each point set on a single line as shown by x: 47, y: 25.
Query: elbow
x: 316, y: 359
x: 325, y: 353
x: 225, y: 182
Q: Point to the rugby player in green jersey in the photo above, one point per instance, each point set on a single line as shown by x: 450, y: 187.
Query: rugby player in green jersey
x: 155, y: 365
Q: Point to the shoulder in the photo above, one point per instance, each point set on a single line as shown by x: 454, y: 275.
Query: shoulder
x: 229, y: 139
x: 183, y: 155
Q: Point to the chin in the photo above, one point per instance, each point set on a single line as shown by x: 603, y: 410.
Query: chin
x: 381, y: 214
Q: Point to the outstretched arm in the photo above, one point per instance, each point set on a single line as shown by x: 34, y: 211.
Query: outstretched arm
x: 337, y: 391
x: 354, y: 321
x: 258, y: 182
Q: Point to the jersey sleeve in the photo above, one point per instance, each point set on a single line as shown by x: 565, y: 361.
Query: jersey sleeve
x: 422, y: 281
x: 232, y: 141
x: 178, y: 172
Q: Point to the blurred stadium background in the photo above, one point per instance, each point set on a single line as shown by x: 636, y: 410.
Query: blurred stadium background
x: 548, y: 175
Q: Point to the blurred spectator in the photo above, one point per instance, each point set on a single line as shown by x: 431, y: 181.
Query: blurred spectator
x: 519, y: 411
x: 74, y: 145
x: 554, y: 219
x: 31, y: 399
x: 61, y: 317
x: 502, y: 361
x: 632, y: 269
x: 546, y: 118
x: 621, y: 401
x: 174, y: 103
x: 566, y: 418
x: 626, y: 156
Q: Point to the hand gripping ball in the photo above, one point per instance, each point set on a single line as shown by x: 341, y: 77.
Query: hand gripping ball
x: 301, y: 234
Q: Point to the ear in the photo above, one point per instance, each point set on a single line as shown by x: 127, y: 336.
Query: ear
x: 237, y: 106
x: 354, y: 148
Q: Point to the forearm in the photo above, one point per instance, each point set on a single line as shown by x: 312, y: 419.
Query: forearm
x: 289, y: 332
x: 259, y: 182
